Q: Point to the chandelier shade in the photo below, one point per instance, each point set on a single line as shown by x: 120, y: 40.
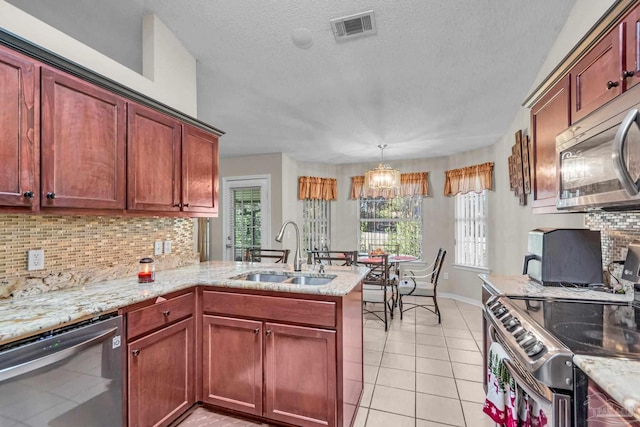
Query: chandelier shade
x: 383, y: 176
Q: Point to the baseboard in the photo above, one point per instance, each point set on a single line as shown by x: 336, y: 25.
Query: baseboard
x: 460, y: 298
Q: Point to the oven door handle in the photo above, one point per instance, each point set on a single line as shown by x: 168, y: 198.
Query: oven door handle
x: 547, y: 405
x: 619, y: 166
x: 50, y: 359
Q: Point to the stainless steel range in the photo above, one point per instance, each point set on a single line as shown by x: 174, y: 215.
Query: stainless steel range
x: 542, y: 335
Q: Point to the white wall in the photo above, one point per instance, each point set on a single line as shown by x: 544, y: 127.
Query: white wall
x: 170, y: 71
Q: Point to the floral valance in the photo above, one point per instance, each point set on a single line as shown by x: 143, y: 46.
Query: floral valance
x: 411, y: 184
x: 312, y: 187
x: 471, y: 178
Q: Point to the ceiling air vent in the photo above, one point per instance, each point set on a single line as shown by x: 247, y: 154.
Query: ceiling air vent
x: 363, y: 23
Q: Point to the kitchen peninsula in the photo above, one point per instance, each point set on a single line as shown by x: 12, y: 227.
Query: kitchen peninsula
x: 304, y: 340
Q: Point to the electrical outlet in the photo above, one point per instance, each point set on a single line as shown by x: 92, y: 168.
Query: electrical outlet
x: 157, y: 248
x: 167, y: 246
x: 35, y: 259
x: 446, y: 275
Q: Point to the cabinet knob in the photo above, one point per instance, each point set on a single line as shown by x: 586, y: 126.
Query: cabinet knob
x: 135, y: 352
x: 176, y: 205
x: 611, y: 85
x: 626, y: 74
x: 51, y: 195
x: 256, y: 331
x: 166, y: 313
x: 28, y: 194
x: 186, y: 205
x: 268, y: 332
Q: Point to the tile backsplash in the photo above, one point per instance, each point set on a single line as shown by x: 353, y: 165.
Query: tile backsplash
x: 617, y: 230
x: 83, y: 249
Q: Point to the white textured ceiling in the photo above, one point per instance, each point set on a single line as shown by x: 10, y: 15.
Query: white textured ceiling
x: 439, y: 77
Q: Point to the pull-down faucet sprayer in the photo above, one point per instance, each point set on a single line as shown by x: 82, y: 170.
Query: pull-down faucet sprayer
x: 297, y: 261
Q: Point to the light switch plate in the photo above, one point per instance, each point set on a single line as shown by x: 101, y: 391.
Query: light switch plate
x: 167, y: 246
x: 157, y: 248
x: 35, y: 259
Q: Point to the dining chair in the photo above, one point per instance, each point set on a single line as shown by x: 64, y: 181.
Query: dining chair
x: 327, y: 257
x: 377, y: 288
x: 422, y: 283
x: 273, y: 255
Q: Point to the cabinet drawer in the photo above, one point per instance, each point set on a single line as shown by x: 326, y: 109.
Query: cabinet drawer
x: 320, y: 313
x: 163, y: 313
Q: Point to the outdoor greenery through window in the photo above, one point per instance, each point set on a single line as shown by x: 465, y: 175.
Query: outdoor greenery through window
x: 316, y: 225
x: 390, y: 224
x: 246, y: 221
x: 471, y: 229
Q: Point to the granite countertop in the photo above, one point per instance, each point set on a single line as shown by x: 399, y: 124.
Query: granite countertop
x: 25, y: 316
x: 518, y: 286
x: 617, y: 377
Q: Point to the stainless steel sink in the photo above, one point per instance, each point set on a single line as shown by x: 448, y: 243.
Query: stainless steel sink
x: 306, y: 280
x: 266, y: 277
x: 288, y: 278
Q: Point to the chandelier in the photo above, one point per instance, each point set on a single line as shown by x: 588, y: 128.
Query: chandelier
x: 382, y: 177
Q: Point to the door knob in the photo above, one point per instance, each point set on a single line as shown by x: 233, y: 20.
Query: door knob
x: 256, y: 331
x: 51, y: 195
x: 166, y: 313
x: 611, y: 85
x: 28, y: 194
x: 627, y: 74
x: 135, y: 352
x: 268, y: 332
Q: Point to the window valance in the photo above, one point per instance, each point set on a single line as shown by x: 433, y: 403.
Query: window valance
x: 471, y: 178
x: 411, y: 184
x: 312, y: 187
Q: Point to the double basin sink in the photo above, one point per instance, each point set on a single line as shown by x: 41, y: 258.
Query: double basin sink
x: 289, y: 278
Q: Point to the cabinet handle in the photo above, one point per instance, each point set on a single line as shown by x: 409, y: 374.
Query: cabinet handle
x: 185, y: 205
x: 627, y: 74
x: 611, y: 85
x: 256, y: 331
x: 176, y: 205
x: 268, y: 332
x: 28, y: 194
x: 135, y: 352
x: 166, y: 313
x: 51, y: 195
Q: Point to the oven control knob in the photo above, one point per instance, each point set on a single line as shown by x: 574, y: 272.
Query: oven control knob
x: 501, y: 311
x: 511, y: 324
x: 518, y: 331
x: 527, y: 340
x: 506, y: 318
x: 535, y: 349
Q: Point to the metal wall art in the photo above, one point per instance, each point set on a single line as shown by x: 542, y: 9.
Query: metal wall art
x: 519, y: 168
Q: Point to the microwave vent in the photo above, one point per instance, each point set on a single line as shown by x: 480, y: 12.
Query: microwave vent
x: 359, y: 24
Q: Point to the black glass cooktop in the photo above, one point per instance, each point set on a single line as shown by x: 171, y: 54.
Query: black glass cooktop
x: 596, y: 329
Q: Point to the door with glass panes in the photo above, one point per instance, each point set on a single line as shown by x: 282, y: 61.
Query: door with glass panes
x: 246, y: 215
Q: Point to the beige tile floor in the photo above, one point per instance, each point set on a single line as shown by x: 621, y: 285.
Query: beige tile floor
x: 418, y: 374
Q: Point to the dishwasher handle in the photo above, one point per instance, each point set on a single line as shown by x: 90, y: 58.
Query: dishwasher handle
x: 65, y: 353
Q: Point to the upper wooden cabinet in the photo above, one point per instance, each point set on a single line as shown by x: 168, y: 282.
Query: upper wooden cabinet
x: 83, y: 144
x: 596, y: 77
x: 153, y: 169
x: 631, y: 60
x: 19, y: 139
x: 199, y: 170
x: 549, y: 116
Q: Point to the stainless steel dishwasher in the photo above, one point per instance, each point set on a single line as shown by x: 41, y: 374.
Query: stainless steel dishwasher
x: 68, y: 377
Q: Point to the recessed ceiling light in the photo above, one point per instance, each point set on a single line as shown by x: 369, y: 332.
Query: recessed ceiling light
x: 302, y: 38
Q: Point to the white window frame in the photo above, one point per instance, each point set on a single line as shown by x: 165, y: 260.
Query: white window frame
x: 471, y: 230
x: 316, y: 224
x: 418, y: 220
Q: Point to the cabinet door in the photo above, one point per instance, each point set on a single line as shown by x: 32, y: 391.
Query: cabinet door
x: 631, y: 59
x: 596, y: 77
x: 161, y: 375
x: 18, y: 135
x: 232, y: 363
x: 83, y: 144
x: 199, y: 171
x: 300, y: 375
x: 153, y: 170
x: 549, y: 117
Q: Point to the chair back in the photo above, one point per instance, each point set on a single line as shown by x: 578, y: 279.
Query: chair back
x: 273, y: 255
x: 437, y: 266
x: 379, y: 271
x: 333, y: 257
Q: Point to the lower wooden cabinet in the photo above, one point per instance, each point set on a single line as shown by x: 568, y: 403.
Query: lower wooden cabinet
x: 161, y: 375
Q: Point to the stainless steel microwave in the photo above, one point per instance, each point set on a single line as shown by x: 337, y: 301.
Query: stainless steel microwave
x: 599, y: 162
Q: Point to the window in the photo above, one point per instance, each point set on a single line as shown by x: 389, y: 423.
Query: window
x: 316, y: 224
x: 471, y: 229
x: 386, y: 223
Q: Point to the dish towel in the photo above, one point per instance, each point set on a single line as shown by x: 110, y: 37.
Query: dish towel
x: 507, y: 404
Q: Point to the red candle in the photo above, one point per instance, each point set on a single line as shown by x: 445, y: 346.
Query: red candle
x: 145, y: 276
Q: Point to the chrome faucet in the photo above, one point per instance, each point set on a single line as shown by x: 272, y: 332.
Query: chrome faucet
x: 297, y: 261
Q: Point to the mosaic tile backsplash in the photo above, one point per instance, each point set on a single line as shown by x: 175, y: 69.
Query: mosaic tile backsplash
x: 617, y: 230
x: 83, y: 249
